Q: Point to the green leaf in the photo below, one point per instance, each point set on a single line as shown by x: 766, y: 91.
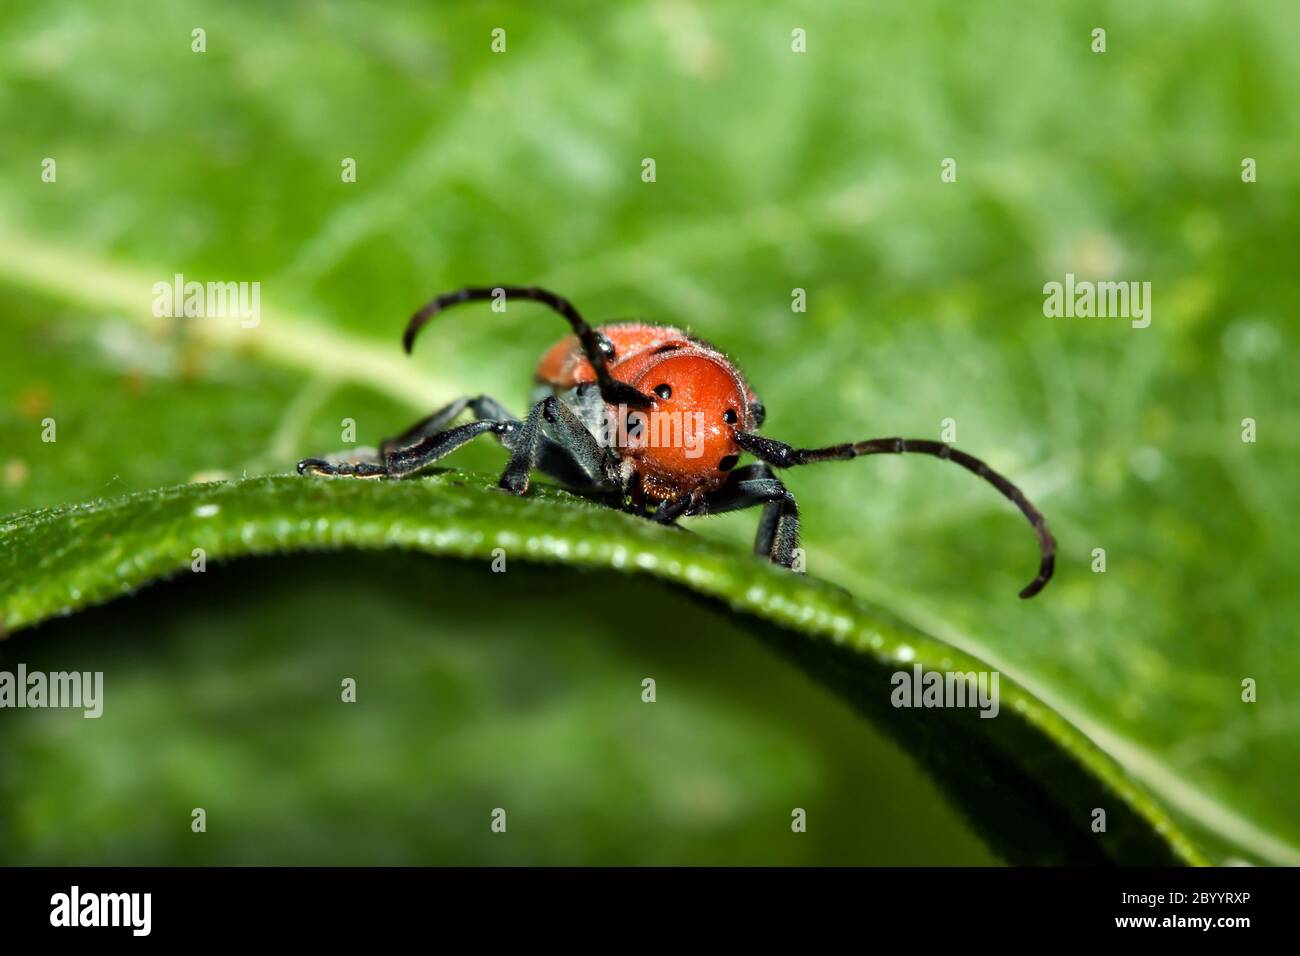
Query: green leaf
x: 1028, y: 777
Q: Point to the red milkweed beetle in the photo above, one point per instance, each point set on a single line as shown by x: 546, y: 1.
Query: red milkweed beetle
x: 592, y: 383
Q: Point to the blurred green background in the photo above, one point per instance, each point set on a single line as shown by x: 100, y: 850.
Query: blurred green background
x: 775, y: 170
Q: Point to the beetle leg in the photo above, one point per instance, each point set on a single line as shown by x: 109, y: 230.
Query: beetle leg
x: 399, y: 462
x: 483, y: 407
x: 771, y: 514
x: 424, y: 442
x: 404, y: 461
x: 567, y: 432
x: 670, y: 511
x: 349, y: 469
x: 778, y: 528
x: 634, y: 501
x: 571, y: 462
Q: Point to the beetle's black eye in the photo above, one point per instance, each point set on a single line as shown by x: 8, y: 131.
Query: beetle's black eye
x: 730, y: 417
x: 728, y: 463
x: 664, y: 392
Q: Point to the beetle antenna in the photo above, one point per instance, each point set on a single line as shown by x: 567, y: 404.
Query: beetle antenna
x: 781, y: 455
x: 595, y: 345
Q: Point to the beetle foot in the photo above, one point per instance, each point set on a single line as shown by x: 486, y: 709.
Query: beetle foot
x: 516, y: 484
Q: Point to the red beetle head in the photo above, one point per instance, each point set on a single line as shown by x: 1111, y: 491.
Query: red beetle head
x: 686, y: 440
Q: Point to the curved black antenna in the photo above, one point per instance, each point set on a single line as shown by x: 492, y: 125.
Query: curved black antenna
x: 781, y: 455
x: 595, y: 345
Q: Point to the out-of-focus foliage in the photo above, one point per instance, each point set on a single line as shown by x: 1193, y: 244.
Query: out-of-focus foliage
x: 775, y: 170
